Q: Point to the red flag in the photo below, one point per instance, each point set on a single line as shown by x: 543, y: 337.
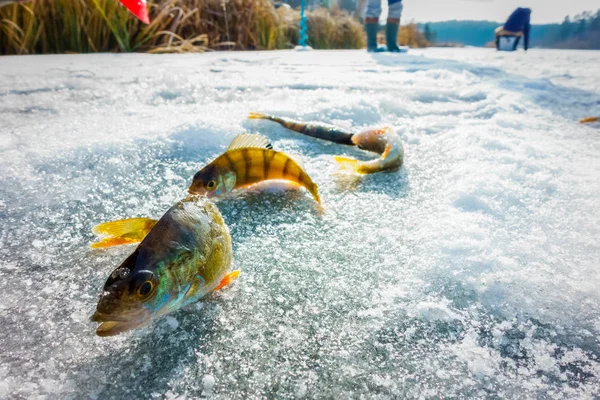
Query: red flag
x: 138, y: 8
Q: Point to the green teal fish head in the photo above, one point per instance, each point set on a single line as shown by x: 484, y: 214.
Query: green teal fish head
x: 212, y: 181
x: 128, y: 299
x: 182, y: 258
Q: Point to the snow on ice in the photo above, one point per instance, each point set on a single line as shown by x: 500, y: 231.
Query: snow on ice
x: 471, y: 272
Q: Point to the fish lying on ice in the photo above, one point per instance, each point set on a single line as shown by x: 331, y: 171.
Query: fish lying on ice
x: 319, y: 131
x: 588, y: 120
x: 383, y: 141
x: 248, y: 160
x: 184, y: 256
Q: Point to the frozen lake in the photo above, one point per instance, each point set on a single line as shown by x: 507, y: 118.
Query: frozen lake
x: 471, y: 272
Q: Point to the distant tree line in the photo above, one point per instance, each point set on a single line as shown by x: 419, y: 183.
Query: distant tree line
x: 470, y: 33
x: 430, y: 35
x: 579, y: 32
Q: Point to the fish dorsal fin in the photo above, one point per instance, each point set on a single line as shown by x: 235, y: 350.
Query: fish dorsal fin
x: 246, y: 140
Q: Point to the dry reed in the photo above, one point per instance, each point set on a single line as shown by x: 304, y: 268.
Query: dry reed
x: 60, y: 26
x: 64, y: 26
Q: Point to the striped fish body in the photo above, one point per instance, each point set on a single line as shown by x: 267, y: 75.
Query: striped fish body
x: 253, y: 165
x: 319, y: 131
x: 241, y: 167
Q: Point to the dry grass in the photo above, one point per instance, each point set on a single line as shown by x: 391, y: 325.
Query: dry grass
x: 408, y: 35
x: 60, y: 26
x: 81, y: 26
x: 334, y: 30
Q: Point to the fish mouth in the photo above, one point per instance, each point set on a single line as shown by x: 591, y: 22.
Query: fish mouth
x: 111, y: 325
x: 200, y: 193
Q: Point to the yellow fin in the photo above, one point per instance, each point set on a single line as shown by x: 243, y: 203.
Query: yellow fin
x: 112, y: 241
x: 314, y: 190
x: 315, y: 193
x: 227, y: 279
x: 255, y: 115
x: 246, y: 140
x: 347, y: 163
x: 123, y: 231
x: 121, y: 227
x: 386, y: 152
x: 588, y: 120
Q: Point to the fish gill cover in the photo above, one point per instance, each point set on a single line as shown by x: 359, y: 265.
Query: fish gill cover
x: 471, y: 272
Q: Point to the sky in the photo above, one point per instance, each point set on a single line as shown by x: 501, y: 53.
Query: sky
x: 543, y: 11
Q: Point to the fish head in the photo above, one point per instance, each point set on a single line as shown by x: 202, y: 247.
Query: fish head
x: 212, y: 181
x: 127, y: 300
x: 374, y: 140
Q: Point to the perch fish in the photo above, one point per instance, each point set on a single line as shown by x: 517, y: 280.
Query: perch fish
x: 248, y: 160
x: 383, y: 141
x: 181, y: 258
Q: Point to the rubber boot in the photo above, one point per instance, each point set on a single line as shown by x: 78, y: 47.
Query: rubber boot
x: 391, y: 36
x: 371, y: 30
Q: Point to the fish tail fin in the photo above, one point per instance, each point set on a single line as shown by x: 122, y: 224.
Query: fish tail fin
x: 588, y: 120
x: 227, y: 279
x: 315, y: 193
x: 255, y: 115
x: 314, y: 190
x: 123, y: 231
x: 348, y: 163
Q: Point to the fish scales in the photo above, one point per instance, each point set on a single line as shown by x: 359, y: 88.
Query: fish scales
x: 249, y: 160
x: 253, y: 165
x: 182, y: 258
x: 319, y: 131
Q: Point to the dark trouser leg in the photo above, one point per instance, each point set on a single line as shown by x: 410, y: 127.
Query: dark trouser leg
x: 393, y: 25
x: 391, y: 35
x: 371, y: 28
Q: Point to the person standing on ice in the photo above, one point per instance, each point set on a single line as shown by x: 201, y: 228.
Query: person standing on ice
x: 517, y: 25
x: 371, y: 15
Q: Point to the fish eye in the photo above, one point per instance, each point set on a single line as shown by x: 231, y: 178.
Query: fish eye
x: 211, y: 184
x: 145, y: 288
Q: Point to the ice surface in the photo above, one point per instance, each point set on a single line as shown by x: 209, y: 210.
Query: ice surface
x: 471, y: 272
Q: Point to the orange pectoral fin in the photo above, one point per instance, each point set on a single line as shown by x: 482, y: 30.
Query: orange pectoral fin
x: 386, y: 152
x: 113, y: 241
x: 227, y: 279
